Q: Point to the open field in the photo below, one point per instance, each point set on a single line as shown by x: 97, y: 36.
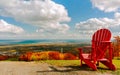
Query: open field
x: 17, y: 50
x: 53, y: 67
x: 22, y: 48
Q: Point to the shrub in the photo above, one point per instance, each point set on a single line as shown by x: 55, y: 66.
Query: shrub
x: 53, y: 55
x: 47, y: 55
x: 26, y: 56
x: 61, y: 55
x: 69, y: 56
x: 3, y: 57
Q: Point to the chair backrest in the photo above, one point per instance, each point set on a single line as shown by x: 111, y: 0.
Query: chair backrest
x: 102, y: 35
x: 99, y: 47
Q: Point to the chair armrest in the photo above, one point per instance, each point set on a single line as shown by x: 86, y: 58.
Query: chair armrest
x: 84, y: 47
x: 84, y: 55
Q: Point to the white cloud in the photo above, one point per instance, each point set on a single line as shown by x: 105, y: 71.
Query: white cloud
x: 107, y: 5
x: 54, y: 28
x: 9, y: 28
x: 117, y: 16
x: 91, y: 25
x: 45, y: 14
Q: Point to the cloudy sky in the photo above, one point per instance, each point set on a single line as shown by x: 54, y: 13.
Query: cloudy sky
x: 57, y: 19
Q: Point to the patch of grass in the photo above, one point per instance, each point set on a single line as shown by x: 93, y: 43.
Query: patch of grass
x: 117, y: 58
x: 117, y: 63
x: 74, y: 63
x: 12, y: 59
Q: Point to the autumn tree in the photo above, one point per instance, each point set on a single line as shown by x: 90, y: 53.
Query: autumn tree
x: 116, y: 45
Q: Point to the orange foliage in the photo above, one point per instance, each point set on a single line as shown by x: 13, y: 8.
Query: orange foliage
x: 3, y: 57
x: 69, y: 56
x: 61, y: 56
x: 28, y: 55
x: 53, y: 55
x: 47, y: 55
x: 25, y: 57
x: 116, y: 45
x: 39, y: 56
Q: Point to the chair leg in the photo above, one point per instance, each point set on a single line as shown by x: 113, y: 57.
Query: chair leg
x: 109, y: 65
x: 97, y: 63
x: 81, y: 62
x: 90, y: 64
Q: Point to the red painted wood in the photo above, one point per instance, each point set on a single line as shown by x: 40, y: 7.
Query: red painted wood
x: 100, y: 44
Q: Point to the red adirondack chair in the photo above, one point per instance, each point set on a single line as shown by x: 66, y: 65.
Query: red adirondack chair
x: 100, y: 45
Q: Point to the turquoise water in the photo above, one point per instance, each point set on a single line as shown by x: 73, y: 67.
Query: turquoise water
x: 6, y: 42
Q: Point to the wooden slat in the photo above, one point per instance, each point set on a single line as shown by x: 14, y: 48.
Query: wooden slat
x: 98, y: 37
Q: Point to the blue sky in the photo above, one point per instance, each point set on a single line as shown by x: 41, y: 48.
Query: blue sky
x: 57, y: 19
